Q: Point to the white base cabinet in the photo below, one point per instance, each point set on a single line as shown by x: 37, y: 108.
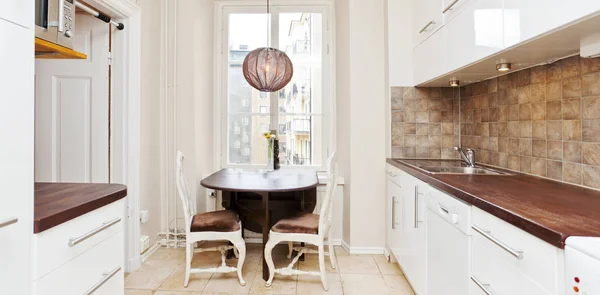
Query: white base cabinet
x: 501, y: 259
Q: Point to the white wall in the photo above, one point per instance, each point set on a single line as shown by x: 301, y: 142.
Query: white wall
x: 150, y: 180
x: 399, y: 26
x: 361, y: 113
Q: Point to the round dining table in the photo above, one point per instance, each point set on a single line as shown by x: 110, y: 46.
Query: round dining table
x: 261, y: 197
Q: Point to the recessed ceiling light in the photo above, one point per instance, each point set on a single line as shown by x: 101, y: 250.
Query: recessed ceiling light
x: 503, y: 67
x: 454, y: 83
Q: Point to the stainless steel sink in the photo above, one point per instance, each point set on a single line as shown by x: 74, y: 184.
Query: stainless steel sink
x: 462, y: 170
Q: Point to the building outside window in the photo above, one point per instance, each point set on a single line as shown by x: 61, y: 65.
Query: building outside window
x: 298, y: 111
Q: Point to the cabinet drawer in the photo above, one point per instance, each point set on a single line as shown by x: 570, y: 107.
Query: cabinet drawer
x: 394, y: 174
x: 86, y: 271
x: 493, y: 240
x: 52, y: 248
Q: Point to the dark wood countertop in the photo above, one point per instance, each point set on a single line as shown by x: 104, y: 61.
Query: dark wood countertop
x: 56, y: 203
x: 549, y: 210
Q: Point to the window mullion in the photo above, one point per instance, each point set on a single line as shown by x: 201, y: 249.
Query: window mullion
x: 274, y: 29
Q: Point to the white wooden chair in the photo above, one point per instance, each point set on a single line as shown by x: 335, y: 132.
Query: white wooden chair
x: 222, y: 225
x: 306, y: 228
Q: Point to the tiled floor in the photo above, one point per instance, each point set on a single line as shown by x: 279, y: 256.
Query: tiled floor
x: 162, y: 274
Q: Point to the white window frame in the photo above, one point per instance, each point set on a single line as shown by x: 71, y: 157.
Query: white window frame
x: 223, y: 8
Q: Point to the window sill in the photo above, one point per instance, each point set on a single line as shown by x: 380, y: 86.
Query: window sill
x: 323, y: 178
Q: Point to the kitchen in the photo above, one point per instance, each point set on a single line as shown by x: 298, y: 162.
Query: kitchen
x: 464, y: 133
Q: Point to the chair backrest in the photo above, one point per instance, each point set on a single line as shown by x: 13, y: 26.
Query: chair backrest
x: 327, y: 204
x: 189, y: 209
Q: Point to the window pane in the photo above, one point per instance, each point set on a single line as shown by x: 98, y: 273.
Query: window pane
x: 300, y: 140
x: 246, y: 143
x: 300, y: 36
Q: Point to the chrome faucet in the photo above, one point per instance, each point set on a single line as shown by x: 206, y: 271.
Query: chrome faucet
x: 468, y: 157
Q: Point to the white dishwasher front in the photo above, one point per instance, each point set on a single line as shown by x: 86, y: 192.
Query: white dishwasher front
x: 448, y: 245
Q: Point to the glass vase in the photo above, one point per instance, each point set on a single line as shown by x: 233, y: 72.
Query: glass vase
x: 270, y: 155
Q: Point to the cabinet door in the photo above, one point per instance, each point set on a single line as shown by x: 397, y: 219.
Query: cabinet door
x: 394, y: 221
x: 17, y: 11
x: 427, y: 20
x: 413, y: 242
x: 429, y: 59
x: 473, y: 34
x: 451, y: 8
x: 524, y: 20
x: 16, y: 156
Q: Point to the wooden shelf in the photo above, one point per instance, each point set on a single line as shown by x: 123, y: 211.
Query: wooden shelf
x: 45, y: 49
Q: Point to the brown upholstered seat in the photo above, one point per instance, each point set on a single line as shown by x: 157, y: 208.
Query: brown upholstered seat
x: 302, y: 223
x: 217, y: 221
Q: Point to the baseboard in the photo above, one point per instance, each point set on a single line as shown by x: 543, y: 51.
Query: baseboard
x: 150, y: 251
x: 133, y: 264
x: 363, y: 250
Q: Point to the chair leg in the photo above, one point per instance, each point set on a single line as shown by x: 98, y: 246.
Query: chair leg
x: 240, y: 246
x: 332, y: 257
x: 322, y: 266
x: 189, y: 251
x: 269, y: 259
x: 290, y: 249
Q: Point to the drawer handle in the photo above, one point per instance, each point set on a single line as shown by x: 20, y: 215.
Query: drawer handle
x: 394, y: 223
x: 426, y: 27
x: 513, y: 252
x: 449, y: 6
x: 481, y: 285
x: 107, y: 277
x: 75, y: 241
x: 392, y: 174
x: 7, y: 222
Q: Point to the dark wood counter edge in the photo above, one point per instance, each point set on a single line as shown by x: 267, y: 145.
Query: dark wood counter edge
x: 43, y: 223
x: 550, y: 236
x: 260, y: 190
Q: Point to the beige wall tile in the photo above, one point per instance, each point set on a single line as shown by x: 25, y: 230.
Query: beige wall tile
x: 554, y: 110
x: 555, y: 150
x: 590, y: 65
x: 538, y: 111
x: 397, y: 94
x: 397, y: 116
x: 571, y: 87
x: 538, y: 166
x: 538, y: 74
x: 572, y: 173
x: 513, y: 113
x: 525, y: 111
x: 539, y: 129
x: 571, y: 109
x: 591, y: 153
x: 553, y: 90
x: 538, y: 92
x: 514, y: 162
x: 422, y: 129
x: 591, y: 107
x: 525, y: 147
x: 554, y: 130
x: 590, y: 85
x: 572, y: 130
x: 591, y: 130
x: 554, y: 169
x: 539, y: 148
x: 571, y: 67
x: 572, y: 151
x: 554, y: 71
x: 525, y: 164
x: 591, y: 176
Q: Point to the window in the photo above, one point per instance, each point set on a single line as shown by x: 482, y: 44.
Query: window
x: 300, y: 112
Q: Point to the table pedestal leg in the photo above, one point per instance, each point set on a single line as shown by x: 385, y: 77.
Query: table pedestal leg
x: 266, y: 227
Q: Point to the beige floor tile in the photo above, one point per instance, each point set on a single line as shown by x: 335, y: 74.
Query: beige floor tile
x: 398, y: 285
x: 176, y: 293
x: 138, y: 292
x: 361, y: 284
x: 340, y: 251
x: 311, y: 285
x: 387, y: 268
x: 175, y: 282
x: 281, y: 285
x: 311, y: 263
x: 147, y: 277
x: 364, y: 264
x: 229, y: 283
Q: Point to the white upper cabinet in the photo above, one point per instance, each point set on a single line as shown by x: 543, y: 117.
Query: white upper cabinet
x: 427, y: 19
x: 473, y: 34
x: 18, y: 12
x: 429, y: 59
x: 451, y: 8
x: 525, y: 19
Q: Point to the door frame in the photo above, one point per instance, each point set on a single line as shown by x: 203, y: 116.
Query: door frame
x: 125, y: 133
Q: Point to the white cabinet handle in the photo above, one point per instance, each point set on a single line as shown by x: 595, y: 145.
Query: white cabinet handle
x: 416, y: 206
x: 481, y: 285
x: 513, y: 252
x: 107, y: 277
x: 75, y: 241
x: 426, y: 26
x: 8, y: 222
x: 393, y: 212
x: 449, y: 6
x: 392, y: 174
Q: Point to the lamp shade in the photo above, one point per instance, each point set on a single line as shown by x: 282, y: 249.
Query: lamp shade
x: 268, y: 69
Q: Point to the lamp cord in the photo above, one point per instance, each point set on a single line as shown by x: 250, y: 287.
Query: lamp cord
x: 268, y: 24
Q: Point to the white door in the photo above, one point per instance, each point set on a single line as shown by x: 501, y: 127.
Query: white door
x: 16, y: 157
x: 72, y: 110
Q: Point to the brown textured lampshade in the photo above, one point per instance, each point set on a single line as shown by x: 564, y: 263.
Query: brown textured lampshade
x: 268, y: 69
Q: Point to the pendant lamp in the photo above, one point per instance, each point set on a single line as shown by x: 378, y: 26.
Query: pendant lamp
x: 268, y: 69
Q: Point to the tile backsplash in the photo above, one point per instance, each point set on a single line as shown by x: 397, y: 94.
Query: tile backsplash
x: 425, y: 122
x: 543, y: 121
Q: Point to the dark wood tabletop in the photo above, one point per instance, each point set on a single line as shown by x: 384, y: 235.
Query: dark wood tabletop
x: 240, y: 180
x: 549, y: 210
x: 56, y: 203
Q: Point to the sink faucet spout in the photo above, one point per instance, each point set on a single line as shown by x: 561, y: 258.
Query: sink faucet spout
x: 469, y: 157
